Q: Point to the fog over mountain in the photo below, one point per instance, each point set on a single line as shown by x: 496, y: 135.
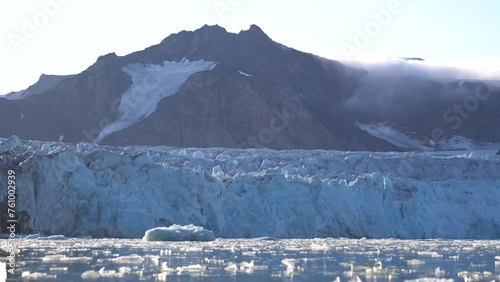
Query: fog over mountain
x: 437, y: 102
x: 211, y: 88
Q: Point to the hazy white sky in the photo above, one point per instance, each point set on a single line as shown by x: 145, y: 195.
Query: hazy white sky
x: 67, y: 36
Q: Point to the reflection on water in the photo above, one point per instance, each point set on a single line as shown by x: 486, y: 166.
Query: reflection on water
x: 256, y: 260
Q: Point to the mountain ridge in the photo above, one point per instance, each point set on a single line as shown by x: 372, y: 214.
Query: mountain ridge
x: 240, y: 102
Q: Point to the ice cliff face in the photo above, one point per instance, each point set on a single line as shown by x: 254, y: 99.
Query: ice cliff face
x: 83, y: 189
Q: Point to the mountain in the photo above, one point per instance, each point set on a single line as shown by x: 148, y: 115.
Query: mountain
x: 404, y: 138
x: 212, y: 88
x: 44, y: 83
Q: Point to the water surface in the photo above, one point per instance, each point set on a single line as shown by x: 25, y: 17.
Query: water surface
x: 256, y: 260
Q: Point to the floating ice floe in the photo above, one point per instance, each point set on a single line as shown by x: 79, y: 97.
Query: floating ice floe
x: 290, y: 264
x: 130, y: 259
x: 65, y: 259
x: 319, y: 247
x: 415, y: 262
x: 179, y: 233
x: 104, y: 273
x: 430, y: 279
x: 58, y: 269
x: 39, y: 236
x: 90, y: 274
x: 430, y: 254
x: 37, y: 275
x: 193, y: 268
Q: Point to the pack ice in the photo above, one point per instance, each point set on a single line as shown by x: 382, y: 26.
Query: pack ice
x: 90, y: 190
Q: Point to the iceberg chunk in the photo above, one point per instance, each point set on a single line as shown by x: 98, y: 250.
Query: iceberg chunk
x: 179, y: 233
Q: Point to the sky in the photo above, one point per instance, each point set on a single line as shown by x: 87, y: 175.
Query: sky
x: 67, y: 36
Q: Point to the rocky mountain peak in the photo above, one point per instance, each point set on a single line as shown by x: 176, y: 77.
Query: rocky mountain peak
x: 255, y: 32
x: 211, y: 28
x: 261, y: 94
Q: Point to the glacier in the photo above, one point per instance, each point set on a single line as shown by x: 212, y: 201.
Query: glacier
x: 150, y: 84
x: 90, y: 190
x: 402, y: 140
x: 395, y: 137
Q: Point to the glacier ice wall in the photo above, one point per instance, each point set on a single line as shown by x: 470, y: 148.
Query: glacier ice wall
x: 85, y: 189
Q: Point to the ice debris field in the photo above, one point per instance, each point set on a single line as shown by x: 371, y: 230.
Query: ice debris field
x: 90, y: 190
x: 259, y: 260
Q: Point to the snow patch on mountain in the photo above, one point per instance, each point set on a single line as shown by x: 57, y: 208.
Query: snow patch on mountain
x: 391, y: 135
x: 91, y: 190
x: 458, y: 142
x: 18, y: 95
x: 44, y: 83
x: 244, y: 74
x: 151, y: 83
x: 396, y: 137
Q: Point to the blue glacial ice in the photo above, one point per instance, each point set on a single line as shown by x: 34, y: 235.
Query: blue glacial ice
x: 91, y: 190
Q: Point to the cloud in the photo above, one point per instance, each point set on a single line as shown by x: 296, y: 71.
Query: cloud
x: 482, y: 69
x: 398, y: 87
